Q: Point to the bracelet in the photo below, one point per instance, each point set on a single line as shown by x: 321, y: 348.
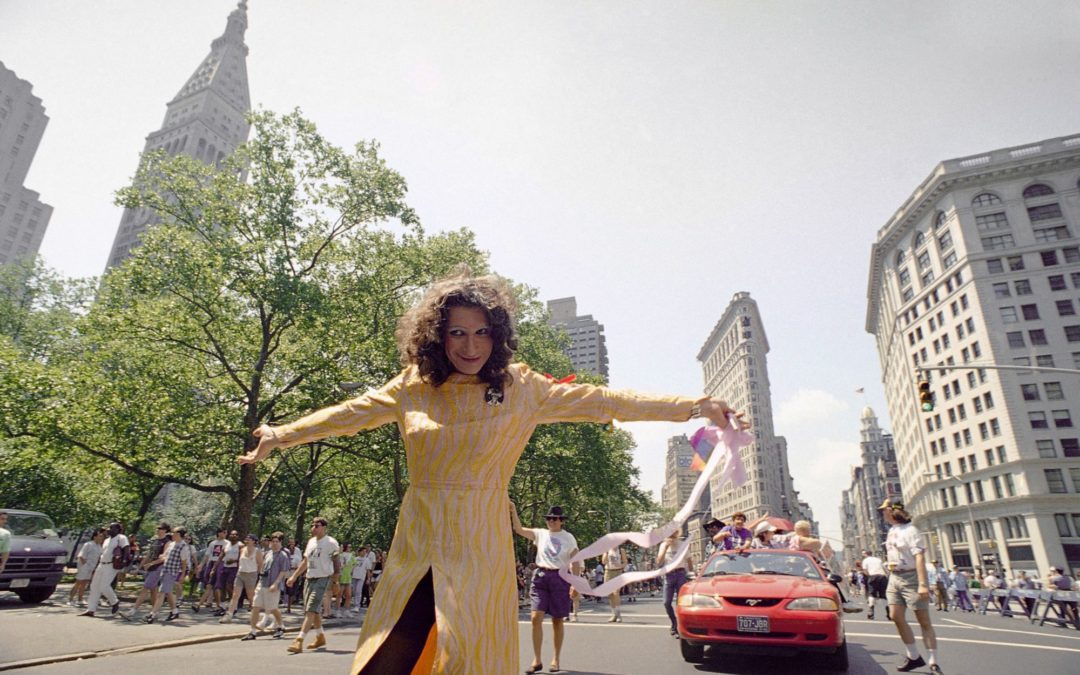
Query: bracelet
x: 695, y: 411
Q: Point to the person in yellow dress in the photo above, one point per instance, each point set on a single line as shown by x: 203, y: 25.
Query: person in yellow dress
x: 447, y: 599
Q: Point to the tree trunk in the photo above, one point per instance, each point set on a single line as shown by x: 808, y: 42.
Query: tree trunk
x: 144, y: 507
x: 314, y: 451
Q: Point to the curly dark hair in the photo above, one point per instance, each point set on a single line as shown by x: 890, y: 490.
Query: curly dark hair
x: 420, y: 330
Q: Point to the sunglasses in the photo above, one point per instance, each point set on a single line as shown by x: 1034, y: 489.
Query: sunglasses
x: 552, y: 517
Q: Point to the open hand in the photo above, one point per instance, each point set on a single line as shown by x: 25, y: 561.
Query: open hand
x: 267, y: 443
x: 717, y: 411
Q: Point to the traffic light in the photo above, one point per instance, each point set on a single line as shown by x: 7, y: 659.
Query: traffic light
x: 926, y: 397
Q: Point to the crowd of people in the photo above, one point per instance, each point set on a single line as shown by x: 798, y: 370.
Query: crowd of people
x: 269, y: 573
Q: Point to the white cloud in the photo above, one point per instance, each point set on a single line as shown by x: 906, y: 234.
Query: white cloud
x: 806, y: 407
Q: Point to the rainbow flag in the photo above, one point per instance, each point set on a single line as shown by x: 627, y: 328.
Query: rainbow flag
x: 703, y: 441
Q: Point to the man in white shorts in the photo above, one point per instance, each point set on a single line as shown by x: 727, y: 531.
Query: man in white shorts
x: 272, y: 576
x: 908, y: 585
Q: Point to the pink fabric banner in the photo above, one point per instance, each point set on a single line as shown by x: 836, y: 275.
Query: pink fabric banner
x: 724, y: 461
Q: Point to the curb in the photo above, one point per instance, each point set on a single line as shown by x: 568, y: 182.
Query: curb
x: 183, y: 642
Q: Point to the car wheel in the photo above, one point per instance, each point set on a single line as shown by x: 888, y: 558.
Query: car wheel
x: 692, y: 653
x: 838, y: 660
x: 33, y: 596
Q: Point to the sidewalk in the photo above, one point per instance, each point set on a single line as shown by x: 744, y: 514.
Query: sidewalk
x: 53, y: 631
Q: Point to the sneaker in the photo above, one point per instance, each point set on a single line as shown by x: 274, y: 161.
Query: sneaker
x: 173, y: 616
x: 297, y: 646
x: 116, y: 607
x: 195, y: 608
x: 87, y: 613
x: 150, y: 619
x: 910, y: 664
x: 279, y: 633
x: 220, y: 612
x: 935, y: 669
x: 227, y: 618
x: 72, y: 603
x: 319, y: 641
x: 249, y: 636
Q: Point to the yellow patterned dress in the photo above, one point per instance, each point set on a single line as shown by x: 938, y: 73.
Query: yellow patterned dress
x: 453, y: 531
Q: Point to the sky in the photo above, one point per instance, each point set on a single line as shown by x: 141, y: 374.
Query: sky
x: 650, y: 158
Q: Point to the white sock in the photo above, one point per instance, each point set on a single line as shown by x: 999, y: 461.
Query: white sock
x: 318, y: 631
x: 912, y: 651
x: 300, y: 636
x: 932, y: 656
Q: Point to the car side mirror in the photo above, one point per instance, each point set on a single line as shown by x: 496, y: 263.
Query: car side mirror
x: 835, y: 578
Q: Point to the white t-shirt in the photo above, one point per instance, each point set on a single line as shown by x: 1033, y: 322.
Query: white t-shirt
x: 872, y: 566
x: 902, y: 544
x: 91, y: 553
x: 295, y: 557
x: 231, y: 554
x: 614, y: 560
x: 111, y: 544
x: 553, y: 549
x: 216, y: 548
x: 320, y: 557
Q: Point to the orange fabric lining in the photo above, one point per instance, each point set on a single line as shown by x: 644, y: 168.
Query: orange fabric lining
x: 426, y: 662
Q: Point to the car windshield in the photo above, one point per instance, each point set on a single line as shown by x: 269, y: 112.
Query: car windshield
x: 762, y: 562
x: 26, y: 525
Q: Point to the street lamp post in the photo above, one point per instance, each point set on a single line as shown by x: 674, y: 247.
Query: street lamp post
x: 977, y: 552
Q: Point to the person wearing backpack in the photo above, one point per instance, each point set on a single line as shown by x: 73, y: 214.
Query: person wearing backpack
x: 115, y: 556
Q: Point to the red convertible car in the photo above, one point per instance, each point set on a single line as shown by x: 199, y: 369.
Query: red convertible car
x: 762, y: 601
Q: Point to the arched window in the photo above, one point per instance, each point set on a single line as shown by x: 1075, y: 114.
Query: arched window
x: 940, y: 219
x: 920, y: 239
x: 1037, y: 190
x: 985, y: 199
x: 899, y: 258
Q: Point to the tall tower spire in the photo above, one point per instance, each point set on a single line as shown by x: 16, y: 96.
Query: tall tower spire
x: 205, y: 120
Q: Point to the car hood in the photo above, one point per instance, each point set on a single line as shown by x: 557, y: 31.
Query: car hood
x: 22, y: 545
x: 760, y: 586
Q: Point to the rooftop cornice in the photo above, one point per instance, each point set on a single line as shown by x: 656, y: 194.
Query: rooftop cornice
x: 1032, y: 158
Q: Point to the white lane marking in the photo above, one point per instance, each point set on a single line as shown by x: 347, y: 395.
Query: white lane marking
x: 605, y: 624
x: 981, y: 642
x: 961, y: 623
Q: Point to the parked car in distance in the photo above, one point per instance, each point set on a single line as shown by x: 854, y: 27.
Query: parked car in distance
x: 37, y: 556
x: 762, y: 601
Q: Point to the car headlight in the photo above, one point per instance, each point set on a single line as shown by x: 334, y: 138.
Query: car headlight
x: 698, y: 600
x: 814, y: 604
x: 61, y: 559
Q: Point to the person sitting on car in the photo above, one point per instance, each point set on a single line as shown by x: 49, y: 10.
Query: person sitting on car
x: 764, y: 537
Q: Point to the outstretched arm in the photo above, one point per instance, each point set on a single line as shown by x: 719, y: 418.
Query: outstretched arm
x: 516, y: 523
x: 368, y: 411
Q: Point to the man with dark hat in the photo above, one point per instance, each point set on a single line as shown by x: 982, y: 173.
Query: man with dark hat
x: 712, y: 529
x: 550, y: 593
x: 908, y: 585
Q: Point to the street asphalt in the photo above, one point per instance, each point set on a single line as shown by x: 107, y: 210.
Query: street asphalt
x: 56, y: 635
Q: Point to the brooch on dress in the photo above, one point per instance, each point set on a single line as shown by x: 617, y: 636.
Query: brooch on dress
x: 493, y: 396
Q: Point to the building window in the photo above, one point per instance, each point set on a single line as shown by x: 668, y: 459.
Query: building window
x: 949, y: 260
x: 908, y: 294
x: 1055, y: 481
x: 1065, y: 308
x: 1044, y: 212
x: 992, y: 221
x: 1072, y: 254
x: 1049, y: 258
x: 1023, y: 287
x: 939, y: 219
x: 1030, y: 392
x: 1072, y: 333
x: 1045, y: 360
x: 988, y: 399
x: 1074, y: 473
x: 1062, y: 419
x: 985, y: 199
x: 944, y: 240
x: 1010, y: 487
x: 1030, y: 312
x: 1038, y: 337
x: 1058, y: 233
x: 1037, y: 190
x: 1016, y: 339
x: 1046, y: 449
x: 1038, y: 420
x: 1054, y: 391
x: 1002, y: 290
x: 1057, y: 282
x: 1008, y: 314
x: 994, y: 266
x: 920, y: 240
x: 1062, y: 522
x: 998, y: 243
x: 1070, y: 447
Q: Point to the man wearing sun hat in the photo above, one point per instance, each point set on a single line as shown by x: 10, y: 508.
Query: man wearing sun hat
x: 550, y: 593
x: 908, y: 585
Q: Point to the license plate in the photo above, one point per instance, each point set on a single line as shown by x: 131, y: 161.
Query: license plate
x: 753, y: 624
x: 20, y: 583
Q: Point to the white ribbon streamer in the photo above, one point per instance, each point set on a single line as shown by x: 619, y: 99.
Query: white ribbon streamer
x: 731, y: 438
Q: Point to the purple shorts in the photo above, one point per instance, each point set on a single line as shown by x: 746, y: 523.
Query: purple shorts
x: 226, y: 577
x: 152, y: 578
x: 168, y: 581
x: 550, y: 594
